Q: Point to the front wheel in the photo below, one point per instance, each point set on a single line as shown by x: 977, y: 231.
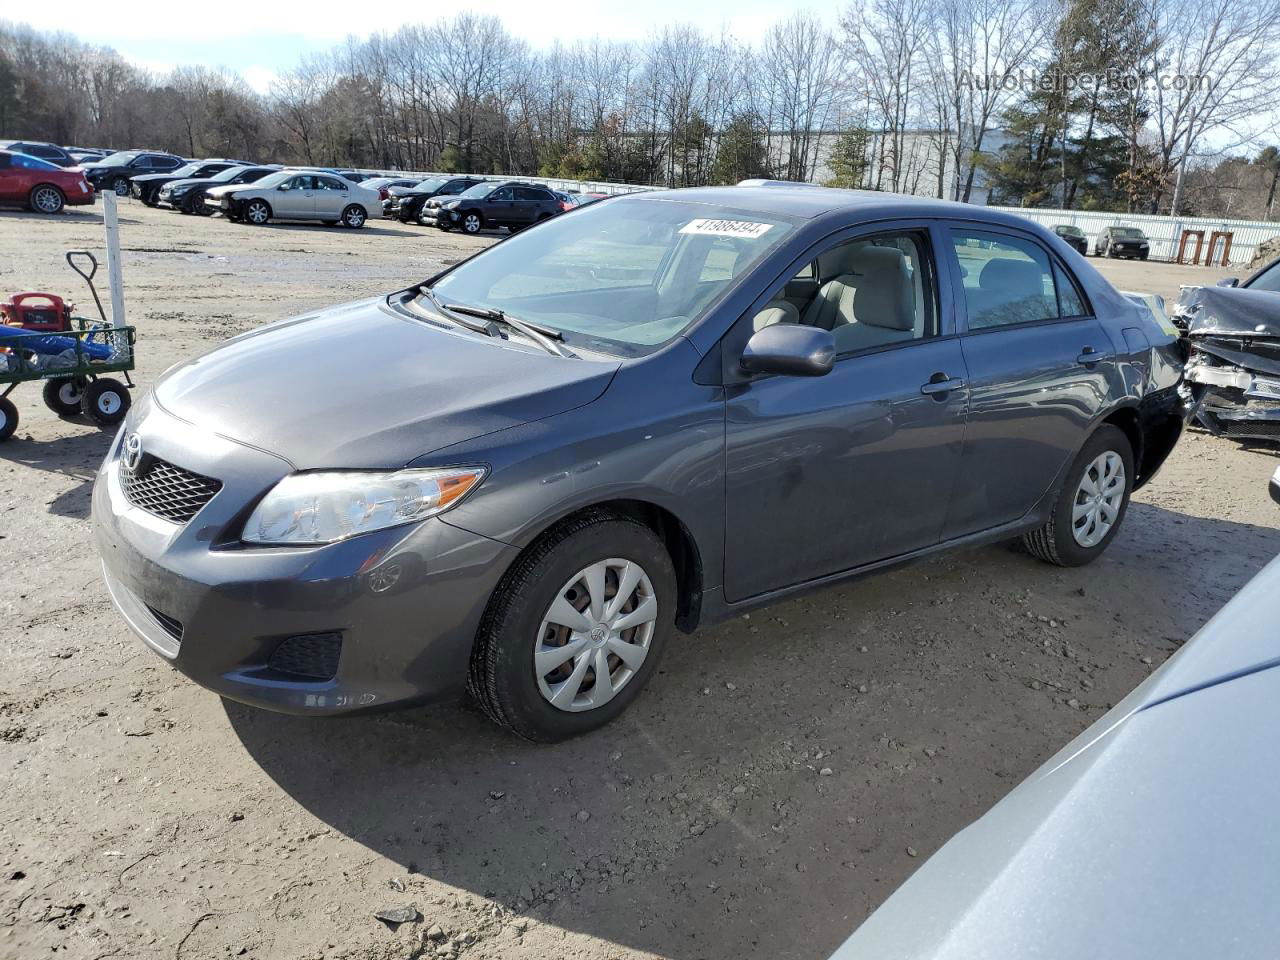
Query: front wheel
x: 575, y: 628
x: 105, y: 402
x: 257, y: 212
x: 46, y: 198
x: 471, y: 223
x: 1091, y: 504
x: 354, y: 216
x: 63, y: 395
x: 8, y: 418
x: 197, y: 206
x: 121, y: 186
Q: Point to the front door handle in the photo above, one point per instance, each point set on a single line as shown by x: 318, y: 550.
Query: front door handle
x: 940, y: 384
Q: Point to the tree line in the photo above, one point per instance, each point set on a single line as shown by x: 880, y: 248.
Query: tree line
x: 1064, y: 103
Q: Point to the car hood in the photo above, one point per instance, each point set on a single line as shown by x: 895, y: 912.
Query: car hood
x: 229, y: 188
x: 152, y: 177
x: 363, y: 385
x: 192, y: 182
x: 1232, y: 312
x: 1149, y: 835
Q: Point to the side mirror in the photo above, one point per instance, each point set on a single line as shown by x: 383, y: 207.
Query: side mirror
x: 283, y: 186
x: 790, y: 350
x: 1228, y: 282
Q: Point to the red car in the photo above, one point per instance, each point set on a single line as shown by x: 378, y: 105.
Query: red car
x: 39, y: 184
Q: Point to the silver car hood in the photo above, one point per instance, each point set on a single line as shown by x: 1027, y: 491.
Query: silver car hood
x: 1151, y: 835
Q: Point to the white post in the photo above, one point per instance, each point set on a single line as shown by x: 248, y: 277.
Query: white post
x: 113, y: 257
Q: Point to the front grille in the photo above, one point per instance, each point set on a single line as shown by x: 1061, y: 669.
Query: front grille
x: 166, y: 490
x: 171, y: 626
x: 1259, y: 429
x: 312, y: 656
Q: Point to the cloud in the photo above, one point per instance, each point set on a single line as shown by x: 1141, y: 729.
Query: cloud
x: 258, y: 77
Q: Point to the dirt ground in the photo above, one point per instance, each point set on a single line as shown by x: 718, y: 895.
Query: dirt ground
x: 777, y: 781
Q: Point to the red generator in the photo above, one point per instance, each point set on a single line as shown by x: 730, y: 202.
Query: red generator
x: 37, y: 311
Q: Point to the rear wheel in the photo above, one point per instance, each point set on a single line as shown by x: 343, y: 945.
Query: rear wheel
x: 1091, y: 504
x: 575, y: 628
x: 105, y: 402
x: 257, y: 212
x: 63, y: 395
x: 46, y: 198
x: 8, y: 418
x: 354, y: 216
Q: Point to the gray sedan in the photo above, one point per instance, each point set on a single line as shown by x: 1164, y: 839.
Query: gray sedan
x: 526, y: 472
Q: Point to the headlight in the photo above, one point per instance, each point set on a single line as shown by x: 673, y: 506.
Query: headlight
x: 316, y: 508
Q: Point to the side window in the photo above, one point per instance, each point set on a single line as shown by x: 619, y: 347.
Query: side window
x: 870, y: 292
x: 505, y: 193
x: 300, y: 183
x: 1070, y: 301
x: 1006, y: 280
x: 139, y: 161
x: 329, y: 183
x: 45, y: 153
x: 524, y: 193
x: 167, y: 163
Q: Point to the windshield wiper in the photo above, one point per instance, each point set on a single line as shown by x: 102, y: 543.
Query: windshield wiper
x: 544, y: 337
x: 486, y: 328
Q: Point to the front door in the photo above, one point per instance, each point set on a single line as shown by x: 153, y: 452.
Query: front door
x: 1040, y: 366
x: 297, y: 201
x: 830, y: 473
x: 499, y: 208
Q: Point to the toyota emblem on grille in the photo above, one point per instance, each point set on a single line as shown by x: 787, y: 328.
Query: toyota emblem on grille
x: 132, y: 454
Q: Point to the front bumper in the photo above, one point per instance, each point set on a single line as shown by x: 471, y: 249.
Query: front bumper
x: 405, y: 602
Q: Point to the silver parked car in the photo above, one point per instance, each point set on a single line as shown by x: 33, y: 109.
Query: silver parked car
x: 1151, y: 835
x: 297, y: 195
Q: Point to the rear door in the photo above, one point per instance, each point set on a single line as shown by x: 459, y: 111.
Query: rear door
x: 1040, y: 371
x: 827, y: 474
x: 332, y: 195
x: 529, y: 203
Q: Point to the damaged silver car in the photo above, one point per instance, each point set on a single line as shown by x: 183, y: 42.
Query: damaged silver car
x: 1232, y: 379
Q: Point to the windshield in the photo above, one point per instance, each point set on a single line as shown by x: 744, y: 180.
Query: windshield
x: 480, y: 190
x: 435, y: 183
x: 1069, y: 231
x: 228, y: 174
x: 186, y: 171
x: 275, y: 179
x: 1269, y: 279
x: 118, y: 159
x: 1129, y: 233
x: 621, y: 277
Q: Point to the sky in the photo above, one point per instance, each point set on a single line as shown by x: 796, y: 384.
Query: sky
x: 258, y: 40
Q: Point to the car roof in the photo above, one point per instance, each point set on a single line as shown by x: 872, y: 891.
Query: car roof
x: 808, y: 201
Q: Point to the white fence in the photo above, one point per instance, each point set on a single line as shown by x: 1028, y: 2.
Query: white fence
x: 555, y: 183
x: 1163, y: 232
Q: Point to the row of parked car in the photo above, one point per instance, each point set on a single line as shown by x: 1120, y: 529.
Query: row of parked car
x: 1129, y: 243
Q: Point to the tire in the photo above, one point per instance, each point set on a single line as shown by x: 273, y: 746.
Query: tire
x: 1065, y: 541
x: 105, y: 402
x: 64, y: 395
x: 8, y: 418
x: 121, y: 186
x: 503, y: 678
x: 354, y: 216
x: 195, y: 205
x: 1142, y: 257
x: 256, y: 212
x: 471, y: 222
x: 46, y: 198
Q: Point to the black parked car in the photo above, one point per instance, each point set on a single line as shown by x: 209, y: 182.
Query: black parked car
x: 1128, y: 242
x: 116, y: 171
x: 1073, y: 237
x: 406, y: 203
x: 44, y: 151
x: 146, y: 186
x: 188, y: 195
x: 493, y: 204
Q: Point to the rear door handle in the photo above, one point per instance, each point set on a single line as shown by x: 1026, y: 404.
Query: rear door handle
x: 940, y: 383
x: 1089, y: 356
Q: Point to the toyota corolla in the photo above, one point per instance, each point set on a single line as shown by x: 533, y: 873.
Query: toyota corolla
x: 524, y: 474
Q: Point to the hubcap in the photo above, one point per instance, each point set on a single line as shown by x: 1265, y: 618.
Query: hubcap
x: 355, y: 218
x: 596, y: 635
x: 472, y: 224
x: 258, y: 213
x: 109, y: 403
x: 46, y: 200
x: 1098, y: 499
x: 122, y: 188
x: 69, y: 394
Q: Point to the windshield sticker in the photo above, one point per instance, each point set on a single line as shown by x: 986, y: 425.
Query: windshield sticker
x: 727, y: 228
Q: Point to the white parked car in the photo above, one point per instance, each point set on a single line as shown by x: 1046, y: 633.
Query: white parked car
x: 297, y: 195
